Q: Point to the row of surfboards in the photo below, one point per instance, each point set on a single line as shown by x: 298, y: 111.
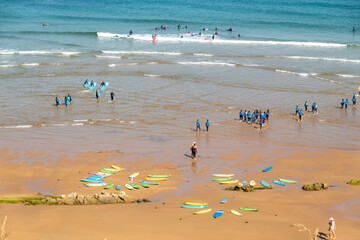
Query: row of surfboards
x: 227, y: 179
x: 193, y: 205
x: 91, y: 87
x: 97, y: 179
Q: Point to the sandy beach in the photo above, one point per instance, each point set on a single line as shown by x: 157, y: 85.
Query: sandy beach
x: 279, y: 207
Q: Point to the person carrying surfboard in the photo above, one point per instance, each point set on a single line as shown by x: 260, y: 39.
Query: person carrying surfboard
x: 57, y: 101
x: 102, y: 84
x: 194, y: 150
x: 69, y: 97
x: 332, y: 228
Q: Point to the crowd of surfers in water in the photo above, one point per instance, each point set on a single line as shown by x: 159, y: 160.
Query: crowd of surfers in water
x: 68, y: 98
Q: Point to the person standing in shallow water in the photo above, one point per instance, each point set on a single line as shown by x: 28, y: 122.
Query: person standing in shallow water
x: 207, y: 125
x: 97, y: 95
x: 112, y: 96
x: 194, y: 150
x: 198, y: 125
x: 306, y: 106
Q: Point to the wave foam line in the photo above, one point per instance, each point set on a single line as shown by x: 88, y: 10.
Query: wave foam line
x: 112, y: 57
x: 325, y: 59
x: 347, y: 76
x: 295, y: 73
x: 141, y: 53
x: 18, y: 126
x: 208, y: 63
x: 35, y: 52
x: 29, y: 64
x: 151, y: 75
x: 203, y: 54
x: 7, y: 65
x: 177, y: 38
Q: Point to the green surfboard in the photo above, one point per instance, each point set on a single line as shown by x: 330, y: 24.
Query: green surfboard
x: 287, y: 181
x: 249, y: 209
x: 144, y: 185
x: 108, y: 186
x: 135, y: 186
x: 159, y: 176
x: 221, y: 179
x: 105, y: 171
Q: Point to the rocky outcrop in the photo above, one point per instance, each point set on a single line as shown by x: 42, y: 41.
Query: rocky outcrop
x: 315, y: 187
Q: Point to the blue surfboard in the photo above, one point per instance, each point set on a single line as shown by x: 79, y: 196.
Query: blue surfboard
x: 94, y: 178
x: 189, y: 206
x: 150, y: 183
x: 224, y: 200
x: 92, y: 87
x: 89, y: 180
x: 265, y: 184
x: 118, y: 187
x: 218, y: 214
x: 87, y: 84
x: 104, y: 86
x: 97, y: 176
x: 279, y: 183
x: 267, y: 169
x: 244, y: 183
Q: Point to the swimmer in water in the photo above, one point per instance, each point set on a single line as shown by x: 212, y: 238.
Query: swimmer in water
x: 216, y: 28
x: 213, y: 37
x: 131, y: 32
x: 179, y: 26
x: 239, y: 35
x: 199, y: 33
x: 230, y: 29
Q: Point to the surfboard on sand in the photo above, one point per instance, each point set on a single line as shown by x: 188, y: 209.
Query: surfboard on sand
x: 267, y: 169
x: 202, y: 211
x: 218, y: 214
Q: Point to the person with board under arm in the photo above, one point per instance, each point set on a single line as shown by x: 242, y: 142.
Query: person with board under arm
x: 57, y: 101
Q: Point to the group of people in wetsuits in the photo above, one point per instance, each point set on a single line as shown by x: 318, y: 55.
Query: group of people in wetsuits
x: 205, y: 29
x: 256, y: 116
x: 298, y: 111
x: 67, y: 100
x: 346, y: 102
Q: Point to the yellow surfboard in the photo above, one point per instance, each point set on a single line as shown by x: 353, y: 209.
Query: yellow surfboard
x: 134, y: 175
x: 155, y: 179
x: 229, y: 182
x: 194, y: 204
x: 235, y: 212
x: 117, y: 168
x: 202, y: 211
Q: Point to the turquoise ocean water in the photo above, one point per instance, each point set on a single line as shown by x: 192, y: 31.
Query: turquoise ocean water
x: 289, y: 52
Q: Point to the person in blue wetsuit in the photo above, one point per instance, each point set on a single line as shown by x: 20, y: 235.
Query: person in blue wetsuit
x: 261, y: 123
x: 263, y: 117
x: 66, y: 100
x: 198, y: 125
x: 306, y: 106
x: 354, y: 100
x: 342, y: 103
x: 314, y: 108
x: 86, y: 82
x: 296, y: 110
x: 69, y: 97
x: 131, y: 32
x: 244, y: 116
x: 92, y: 83
x: 346, y: 103
x: 207, y: 125
x: 97, y: 94
x: 253, y: 118
x: 112, y: 96
x: 249, y: 116
x: 240, y: 115
x: 267, y: 115
x: 300, y: 114
x: 57, y: 101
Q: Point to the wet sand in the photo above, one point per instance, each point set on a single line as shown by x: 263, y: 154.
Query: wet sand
x: 163, y: 218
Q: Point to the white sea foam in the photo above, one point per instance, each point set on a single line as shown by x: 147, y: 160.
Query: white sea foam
x: 203, y: 54
x: 325, y: 59
x: 7, y: 65
x: 112, y: 57
x: 36, y: 52
x: 18, y: 126
x: 151, y: 75
x: 219, y: 40
x: 114, y: 65
x: 348, y: 76
x: 141, y: 53
x: 29, y: 64
x: 293, y: 73
x: 132, y: 122
x: 208, y: 63
x: 77, y: 124
x: 80, y: 120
